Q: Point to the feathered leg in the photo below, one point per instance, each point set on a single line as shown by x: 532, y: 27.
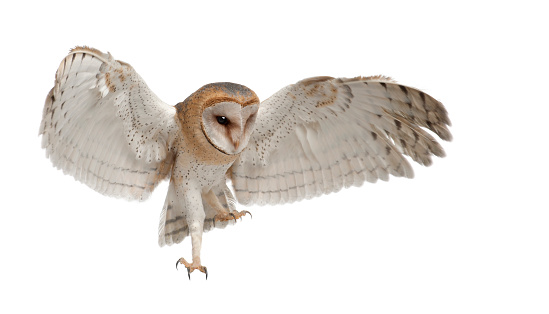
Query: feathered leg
x: 194, y: 214
x: 223, y: 214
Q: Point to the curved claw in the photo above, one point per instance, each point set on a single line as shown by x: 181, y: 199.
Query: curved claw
x: 233, y: 216
x: 188, y: 268
x: 247, y: 212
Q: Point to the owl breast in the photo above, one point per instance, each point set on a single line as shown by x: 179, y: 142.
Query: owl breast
x: 190, y: 170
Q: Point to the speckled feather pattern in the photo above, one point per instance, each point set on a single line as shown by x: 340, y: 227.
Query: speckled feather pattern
x: 323, y: 134
x: 199, y: 165
x: 100, y: 126
x: 103, y: 126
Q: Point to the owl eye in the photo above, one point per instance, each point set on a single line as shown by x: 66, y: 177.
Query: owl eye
x: 222, y: 120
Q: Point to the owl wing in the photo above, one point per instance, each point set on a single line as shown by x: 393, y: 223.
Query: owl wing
x: 102, y: 125
x: 322, y: 134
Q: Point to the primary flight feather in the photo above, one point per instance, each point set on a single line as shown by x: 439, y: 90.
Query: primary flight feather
x: 102, y: 125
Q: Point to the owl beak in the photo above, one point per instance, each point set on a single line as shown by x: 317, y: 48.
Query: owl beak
x: 237, y: 139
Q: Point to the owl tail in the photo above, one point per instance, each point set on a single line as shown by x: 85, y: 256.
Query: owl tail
x: 173, y: 226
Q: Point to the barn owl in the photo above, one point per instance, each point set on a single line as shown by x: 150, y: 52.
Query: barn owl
x: 102, y: 125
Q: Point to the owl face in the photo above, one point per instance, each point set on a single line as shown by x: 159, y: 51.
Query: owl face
x: 220, y: 116
x: 228, y: 125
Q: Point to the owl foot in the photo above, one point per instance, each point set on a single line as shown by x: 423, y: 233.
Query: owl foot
x: 191, y: 267
x: 228, y: 216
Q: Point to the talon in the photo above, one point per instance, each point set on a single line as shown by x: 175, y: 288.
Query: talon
x: 233, y: 216
x: 247, y: 212
x: 191, y: 267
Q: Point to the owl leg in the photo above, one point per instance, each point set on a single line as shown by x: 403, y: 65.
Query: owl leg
x: 195, y: 219
x: 223, y: 214
x: 196, y: 238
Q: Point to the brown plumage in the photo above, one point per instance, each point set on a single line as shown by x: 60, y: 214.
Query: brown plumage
x: 105, y: 127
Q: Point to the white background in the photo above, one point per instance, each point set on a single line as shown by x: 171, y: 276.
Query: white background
x: 467, y: 235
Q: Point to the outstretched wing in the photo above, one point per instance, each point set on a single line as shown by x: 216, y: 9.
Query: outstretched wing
x: 102, y: 125
x: 322, y: 134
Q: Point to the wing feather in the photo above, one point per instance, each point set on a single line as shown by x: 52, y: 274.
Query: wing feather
x: 102, y: 125
x: 324, y: 134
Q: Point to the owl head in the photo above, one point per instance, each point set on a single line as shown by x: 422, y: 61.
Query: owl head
x: 228, y: 113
